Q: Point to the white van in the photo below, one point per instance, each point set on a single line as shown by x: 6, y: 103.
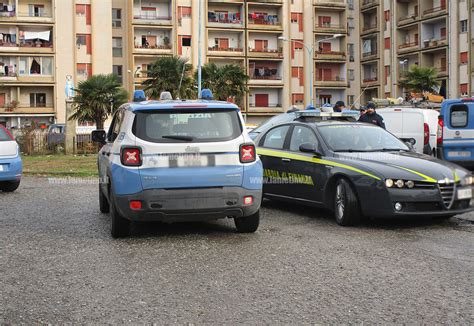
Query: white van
x: 416, y: 123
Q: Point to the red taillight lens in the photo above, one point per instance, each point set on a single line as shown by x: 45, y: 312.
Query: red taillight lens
x: 8, y: 132
x: 439, y: 135
x: 135, y: 205
x: 427, y: 134
x: 131, y: 156
x: 248, y: 200
x: 247, y: 153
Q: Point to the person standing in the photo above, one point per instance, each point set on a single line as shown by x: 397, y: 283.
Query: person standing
x: 339, y: 106
x: 371, y: 116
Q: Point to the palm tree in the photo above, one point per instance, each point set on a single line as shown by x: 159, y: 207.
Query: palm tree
x: 226, y: 82
x: 96, y: 98
x: 420, y: 79
x: 170, y: 74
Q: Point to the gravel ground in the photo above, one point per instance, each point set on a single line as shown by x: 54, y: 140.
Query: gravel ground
x: 58, y: 264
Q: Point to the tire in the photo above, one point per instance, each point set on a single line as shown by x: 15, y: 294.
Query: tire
x: 103, y: 202
x: 120, y: 227
x: 346, y: 204
x: 9, y: 186
x: 247, y: 224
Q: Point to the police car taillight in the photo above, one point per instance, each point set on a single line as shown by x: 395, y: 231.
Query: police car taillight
x: 247, y: 153
x: 427, y: 134
x: 439, y: 135
x: 131, y: 156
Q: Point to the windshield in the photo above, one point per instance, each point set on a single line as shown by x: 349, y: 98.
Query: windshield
x: 187, y: 126
x: 4, y: 136
x: 278, y: 119
x: 360, y: 138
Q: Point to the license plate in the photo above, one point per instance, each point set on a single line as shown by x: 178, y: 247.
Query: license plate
x: 464, y: 193
x: 459, y: 154
x: 193, y: 161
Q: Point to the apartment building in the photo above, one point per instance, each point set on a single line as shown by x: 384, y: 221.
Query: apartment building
x: 292, y: 50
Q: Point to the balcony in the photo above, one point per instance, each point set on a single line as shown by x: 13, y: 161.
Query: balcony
x: 258, y: 21
x: 434, y: 43
x: 334, y: 81
x: 266, y: 52
x: 41, y: 11
x: 216, y: 50
x: 442, y: 71
x: 8, y: 12
x: 35, y: 40
x: 435, y: 11
x: 370, y: 81
x: 339, y: 4
x: 156, y: 12
x: 225, y: 15
x: 407, y: 19
x: 369, y: 55
x: 265, y: 72
x: 48, y: 108
x: 152, y: 41
x: 330, y: 28
x: 369, y: 28
x: 366, y: 4
x: 408, y: 46
x: 324, y: 55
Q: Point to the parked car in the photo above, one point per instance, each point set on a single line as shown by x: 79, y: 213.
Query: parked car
x: 413, y: 123
x: 175, y: 161
x: 456, y: 132
x: 357, y: 169
x: 11, y: 166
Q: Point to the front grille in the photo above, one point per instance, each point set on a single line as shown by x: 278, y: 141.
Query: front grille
x: 448, y: 192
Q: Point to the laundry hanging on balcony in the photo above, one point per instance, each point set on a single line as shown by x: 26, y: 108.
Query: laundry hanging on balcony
x: 37, y: 35
x: 367, y: 46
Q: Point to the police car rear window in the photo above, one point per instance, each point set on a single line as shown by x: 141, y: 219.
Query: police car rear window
x: 3, y: 135
x: 459, y: 116
x: 187, y: 126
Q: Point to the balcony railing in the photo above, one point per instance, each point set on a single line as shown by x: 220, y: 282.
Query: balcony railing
x: 8, y: 44
x: 36, y: 44
x: 271, y: 20
x: 369, y: 2
x: 369, y: 27
x: 408, y: 45
x: 332, y: 79
x: 369, y: 54
x: 279, y: 50
x: 335, y: 53
x: 329, y: 26
x: 330, y: 2
x: 408, y: 18
x: 10, y: 74
x: 269, y: 105
x: 225, y: 21
x: 153, y: 47
x: 43, y: 14
x: 370, y: 80
x: 8, y: 13
x: 216, y: 48
x: 434, y: 10
x: 151, y: 17
x: 266, y: 77
x: 434, y: 43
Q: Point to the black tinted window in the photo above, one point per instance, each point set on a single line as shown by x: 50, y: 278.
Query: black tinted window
x: 275, y: 138
x: 300, y: 136
x: 4, y: 135
x: 195, y: 126
x: 459, y: 116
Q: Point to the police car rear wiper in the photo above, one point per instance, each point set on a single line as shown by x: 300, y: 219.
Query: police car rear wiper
x: 179, y: 137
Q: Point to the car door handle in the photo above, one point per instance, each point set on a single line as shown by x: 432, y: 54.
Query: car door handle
x: 286, y: 159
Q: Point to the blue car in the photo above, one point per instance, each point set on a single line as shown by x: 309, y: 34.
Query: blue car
x: 11, y: 166
x: 456, y: 132
x: 175, y: 161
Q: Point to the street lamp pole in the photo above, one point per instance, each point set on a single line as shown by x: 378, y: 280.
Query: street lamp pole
x: 310, y: 50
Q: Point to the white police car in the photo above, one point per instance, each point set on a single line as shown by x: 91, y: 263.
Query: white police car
x: 177, y: 160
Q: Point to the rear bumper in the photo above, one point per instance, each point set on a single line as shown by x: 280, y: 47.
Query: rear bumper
x: 12, y: 169
x: 467, y: 163
x: 185, y: 205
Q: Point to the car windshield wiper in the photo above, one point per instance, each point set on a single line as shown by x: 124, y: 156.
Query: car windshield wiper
x: 351, y: 151
x: 391, y: 150
x: 179, y: 137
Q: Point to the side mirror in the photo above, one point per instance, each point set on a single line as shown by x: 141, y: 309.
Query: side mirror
x: 99, y: 136
x: 310, y: 148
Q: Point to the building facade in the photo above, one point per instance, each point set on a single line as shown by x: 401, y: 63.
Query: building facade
x: 292, y: 50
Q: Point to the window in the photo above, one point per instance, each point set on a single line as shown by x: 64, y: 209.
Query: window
x: 84, y: 69
x: 325, y: 99
x: 387, y: 43
x: 116, y: 18
x: 387, y: 15
x: 350, y: 50
x: 351, y: 74
x: 464, y: 88
x: 350, y: 22
x: 297, y: 99
x: 275, y: 138
x: 84, y: 10
x: 84, y: 40
x: 350, y: 100
x: 350, y: 4
x: 118, y: 71
x: 464, y: 26
x: 459, y: 116
x: 186, y: 41
x: 37, y: 100
x: 35, y: 10
x: 197, y: 125
x: 42, y: 66
x: 463, y: 57
x: 300, y: 136
x: 117, y: 47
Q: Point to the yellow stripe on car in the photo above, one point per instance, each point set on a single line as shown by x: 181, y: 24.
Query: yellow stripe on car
x: 297, y: 157
x: 424, y: 176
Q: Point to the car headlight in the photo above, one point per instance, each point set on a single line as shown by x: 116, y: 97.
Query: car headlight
x: 390, y: 183
x: 467, y: 181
